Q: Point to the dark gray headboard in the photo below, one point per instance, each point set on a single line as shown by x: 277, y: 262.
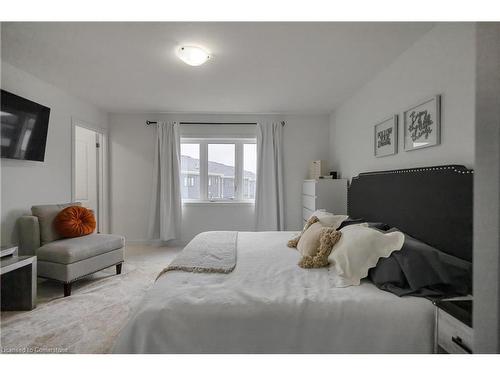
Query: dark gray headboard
x: 432, y: 204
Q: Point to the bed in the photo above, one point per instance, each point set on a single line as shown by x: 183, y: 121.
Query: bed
x: 267, y: 304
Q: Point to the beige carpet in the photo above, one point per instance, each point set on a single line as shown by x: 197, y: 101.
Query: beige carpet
x: 90, y: 319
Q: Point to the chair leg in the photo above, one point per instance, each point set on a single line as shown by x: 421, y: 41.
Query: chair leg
x: 67, y: 289
x: 119, y: 268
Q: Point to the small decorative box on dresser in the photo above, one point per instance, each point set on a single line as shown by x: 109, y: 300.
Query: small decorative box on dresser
x: 454, y: 334
x: 328, y: 194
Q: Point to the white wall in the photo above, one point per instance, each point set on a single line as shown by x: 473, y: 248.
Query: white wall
x: 486, y: 270
x: 131, y: 161
x: 26, y: 183
x: 441, y: 62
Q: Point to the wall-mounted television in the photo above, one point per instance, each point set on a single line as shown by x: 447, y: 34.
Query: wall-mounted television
x: 24, y: 128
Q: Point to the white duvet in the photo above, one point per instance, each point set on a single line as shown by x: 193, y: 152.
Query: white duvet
x: 270, y: 305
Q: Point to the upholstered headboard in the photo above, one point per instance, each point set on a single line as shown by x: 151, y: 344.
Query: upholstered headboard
x: 432, y: 204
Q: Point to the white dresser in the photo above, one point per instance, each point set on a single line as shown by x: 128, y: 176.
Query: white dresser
x: 327, y: 194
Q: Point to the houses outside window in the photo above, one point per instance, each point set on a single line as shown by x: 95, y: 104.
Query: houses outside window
x: 218, y: 169
x: 188, y: 181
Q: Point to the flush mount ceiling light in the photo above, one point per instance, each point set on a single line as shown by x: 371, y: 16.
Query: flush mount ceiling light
x: 193, y: 56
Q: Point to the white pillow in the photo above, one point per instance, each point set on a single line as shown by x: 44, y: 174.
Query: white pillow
x: 318, y: 212
x: 359, y: 249
x: 327, y: 219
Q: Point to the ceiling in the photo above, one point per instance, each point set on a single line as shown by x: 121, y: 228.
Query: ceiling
x: 256, y: 67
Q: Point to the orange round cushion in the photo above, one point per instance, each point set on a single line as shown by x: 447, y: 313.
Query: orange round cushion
x: 75, y: 221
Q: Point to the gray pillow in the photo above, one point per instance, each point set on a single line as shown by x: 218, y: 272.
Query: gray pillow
x: 376, y: 225
x: 46, y: 214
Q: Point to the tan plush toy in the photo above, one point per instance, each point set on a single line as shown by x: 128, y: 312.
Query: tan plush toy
x: 329, y: 236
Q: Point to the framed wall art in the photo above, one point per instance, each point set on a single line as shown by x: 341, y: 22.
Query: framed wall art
x: 422, y: 124
x: 386, y: 137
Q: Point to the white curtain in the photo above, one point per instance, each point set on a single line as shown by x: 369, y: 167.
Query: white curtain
x: 165, y: 219
x: 269, y: 210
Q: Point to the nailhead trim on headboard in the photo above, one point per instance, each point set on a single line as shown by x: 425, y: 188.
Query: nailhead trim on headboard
x: 455, y: 168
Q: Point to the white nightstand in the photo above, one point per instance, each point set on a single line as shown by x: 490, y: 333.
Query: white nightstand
x: 454, y: 333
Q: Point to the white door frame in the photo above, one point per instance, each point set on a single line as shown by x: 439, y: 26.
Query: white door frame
x: 102, y: 163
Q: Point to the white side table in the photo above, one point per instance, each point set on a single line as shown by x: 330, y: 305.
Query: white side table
x: 454, y: 333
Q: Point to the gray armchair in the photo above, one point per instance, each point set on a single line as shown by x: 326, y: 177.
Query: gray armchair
x: 66, y: 259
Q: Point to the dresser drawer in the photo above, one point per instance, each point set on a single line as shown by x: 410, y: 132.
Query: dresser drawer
x: 309, y: 187
x: 452, y: 335
x: 309, y: 202
x: 306, y: 213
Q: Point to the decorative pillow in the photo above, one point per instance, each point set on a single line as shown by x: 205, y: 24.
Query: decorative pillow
x: 294, y: 241
x: 316, y: 243
x: 318, y: 212
x: 75, y: 221
x: 331, y: 220
x: 46, y: 214
x: 351, y: 221
x: 370, y: 224
x: 360, y: 248
x: 328, y: 237
x: 309, y: 241
x: 327, y: 219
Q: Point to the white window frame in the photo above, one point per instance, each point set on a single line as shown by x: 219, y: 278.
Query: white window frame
x: 238, y: 165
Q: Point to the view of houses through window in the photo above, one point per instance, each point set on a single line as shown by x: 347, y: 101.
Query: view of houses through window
x: 190, y: 171
x: 221, y: 171
x: 215, y: 170
x: 249, y: 170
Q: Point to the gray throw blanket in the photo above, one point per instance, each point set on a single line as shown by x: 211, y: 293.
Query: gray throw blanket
x: 423, y: 271
x: 208, y: 252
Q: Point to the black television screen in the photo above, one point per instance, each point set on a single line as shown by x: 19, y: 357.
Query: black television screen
x: 24, y: 128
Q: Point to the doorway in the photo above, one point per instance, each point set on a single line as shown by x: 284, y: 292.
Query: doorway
x: 88, y: 171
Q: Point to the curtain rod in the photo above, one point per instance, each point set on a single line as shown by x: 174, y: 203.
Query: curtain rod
x: 210, y: 123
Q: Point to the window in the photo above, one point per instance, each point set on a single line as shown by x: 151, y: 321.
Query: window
x: 190, y: 171
x: 189, y: 181
x: 249, y: 170
x: 218, y: 169
x: 221, y: 171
